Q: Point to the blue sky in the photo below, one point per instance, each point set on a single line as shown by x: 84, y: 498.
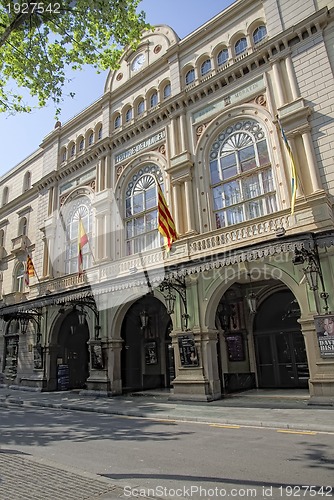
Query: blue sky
x: 21, y: 134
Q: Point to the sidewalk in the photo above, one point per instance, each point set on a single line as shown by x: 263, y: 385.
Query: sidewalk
x: 278, y: 409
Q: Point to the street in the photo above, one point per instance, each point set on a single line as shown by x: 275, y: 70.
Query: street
x: 157, y: 458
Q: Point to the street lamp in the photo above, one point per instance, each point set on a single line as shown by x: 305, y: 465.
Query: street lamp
x: 167, y: 286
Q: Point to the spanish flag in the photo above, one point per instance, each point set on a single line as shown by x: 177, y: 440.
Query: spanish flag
x: 166, y: 224
x: 30, y: 270
x: 293, y: 168
x: 82, y: 241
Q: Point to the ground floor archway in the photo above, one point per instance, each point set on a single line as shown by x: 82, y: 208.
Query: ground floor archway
x: 147, y: 360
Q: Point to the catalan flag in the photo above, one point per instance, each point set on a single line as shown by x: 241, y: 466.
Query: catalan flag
x: 166, y: 224
x: 82, y: 241
x: 30, y: 270
x: 293, y: 168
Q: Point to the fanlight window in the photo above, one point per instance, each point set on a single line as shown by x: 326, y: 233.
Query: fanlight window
x: 240, y: 46
x: 117, y: 122
x: 259, y: 34
x: 206, y: 67
x: 242, y: 183
x: 190, y: 76
x: 167, y: 91
x: 154, y: 99
x: 141, y: 212
x: 141, y: 107
x: 79, y: 210
x: 222, y: 57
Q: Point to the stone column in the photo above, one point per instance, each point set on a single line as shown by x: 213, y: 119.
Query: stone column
x: 321, y: 382
x: 176, y: 199
x: 278, y: 84
x: 292, y: 77
x: 313, y: 169
x: 189, y: 206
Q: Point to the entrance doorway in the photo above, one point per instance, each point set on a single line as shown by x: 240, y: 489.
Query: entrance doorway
x: 147, y: 360
x: 73, y: 355
x: 279, y: 344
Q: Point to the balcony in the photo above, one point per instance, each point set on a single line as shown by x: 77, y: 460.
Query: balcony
x: 20, y: 244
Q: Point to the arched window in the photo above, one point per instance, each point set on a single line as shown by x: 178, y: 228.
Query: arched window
x: 26, y: 182
x: 206, y: 67
x: 2, y: 238
x: 141, y: 215
x: 72, y: 150
x: 18, y: 278
x: 80, y: 210
x: 90, y: 139
x: 190, y: 76
x: 63, y: 154
x: 5, y: 193
x: 259, y: 34
x: 141, y: 107
x: 167, y: 91
x: 240, y: 46
x: 23, y: 227
x: 99, y: 133
x: 128, y: 115
x: 117, y: 122
x: 242, y: 183
x: 222, y: 57
x: 81, y: 144
x: 154, y: 99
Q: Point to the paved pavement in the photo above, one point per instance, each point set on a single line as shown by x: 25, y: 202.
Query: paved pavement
x: 277, y: 409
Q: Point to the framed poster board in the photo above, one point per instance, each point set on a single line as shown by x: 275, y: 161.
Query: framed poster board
x: 235, y: 347
x: 188, y: 351
x: 324, y: 327
x: 151, y: 353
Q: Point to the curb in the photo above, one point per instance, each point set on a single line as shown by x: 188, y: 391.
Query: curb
x: 10, y: 401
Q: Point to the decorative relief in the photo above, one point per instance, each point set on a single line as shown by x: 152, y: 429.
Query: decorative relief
x: 162, y: 149
x: 92, y: 184
x: 157, y: 49
x: 261, y: 100
x: 200, y: 130
x: 119, y: 76
x: 62, y: 200
x: 119, y: 170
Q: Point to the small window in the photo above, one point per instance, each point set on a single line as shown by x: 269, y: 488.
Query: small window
x: 2, y: 238
x: 190, y: 76
x: 141, y: 107
x: 90, y: 139
x: 117, y: 122
x: 128, y: 115
x: 81, y: 144
x: 99, y: 134
x: 154, y: 99
x: 259, y: 34
x: 5, y: 193
x: 23, y: 225
x: 222, y: 57
x: 206, y: 67
x: 19, y: 275
x: 240, y: 46
x: 167, y: 91
x: 72, y: 150
x: 26, y: 181
x: 63, y: 156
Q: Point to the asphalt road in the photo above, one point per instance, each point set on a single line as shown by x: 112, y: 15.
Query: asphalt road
x: 163, y: 459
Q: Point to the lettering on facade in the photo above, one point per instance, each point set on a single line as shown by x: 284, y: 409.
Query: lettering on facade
x: 229, y: 99
x: 140, y: 147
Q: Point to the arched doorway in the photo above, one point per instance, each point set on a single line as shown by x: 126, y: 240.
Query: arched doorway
x: 73, y: 350
x: 279, y: 344
x: 147, y: 358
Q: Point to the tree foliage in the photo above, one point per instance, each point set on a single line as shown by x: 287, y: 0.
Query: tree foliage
x: 40, y: 41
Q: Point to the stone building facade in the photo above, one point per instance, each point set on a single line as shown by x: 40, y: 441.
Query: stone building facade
x: 240, y: 300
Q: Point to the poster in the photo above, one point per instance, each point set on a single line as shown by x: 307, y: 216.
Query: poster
x: 188, y: 351
x: 324, y: 326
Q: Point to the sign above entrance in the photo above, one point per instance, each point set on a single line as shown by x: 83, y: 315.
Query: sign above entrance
x: 324, y: 326
x: 140, y: 146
